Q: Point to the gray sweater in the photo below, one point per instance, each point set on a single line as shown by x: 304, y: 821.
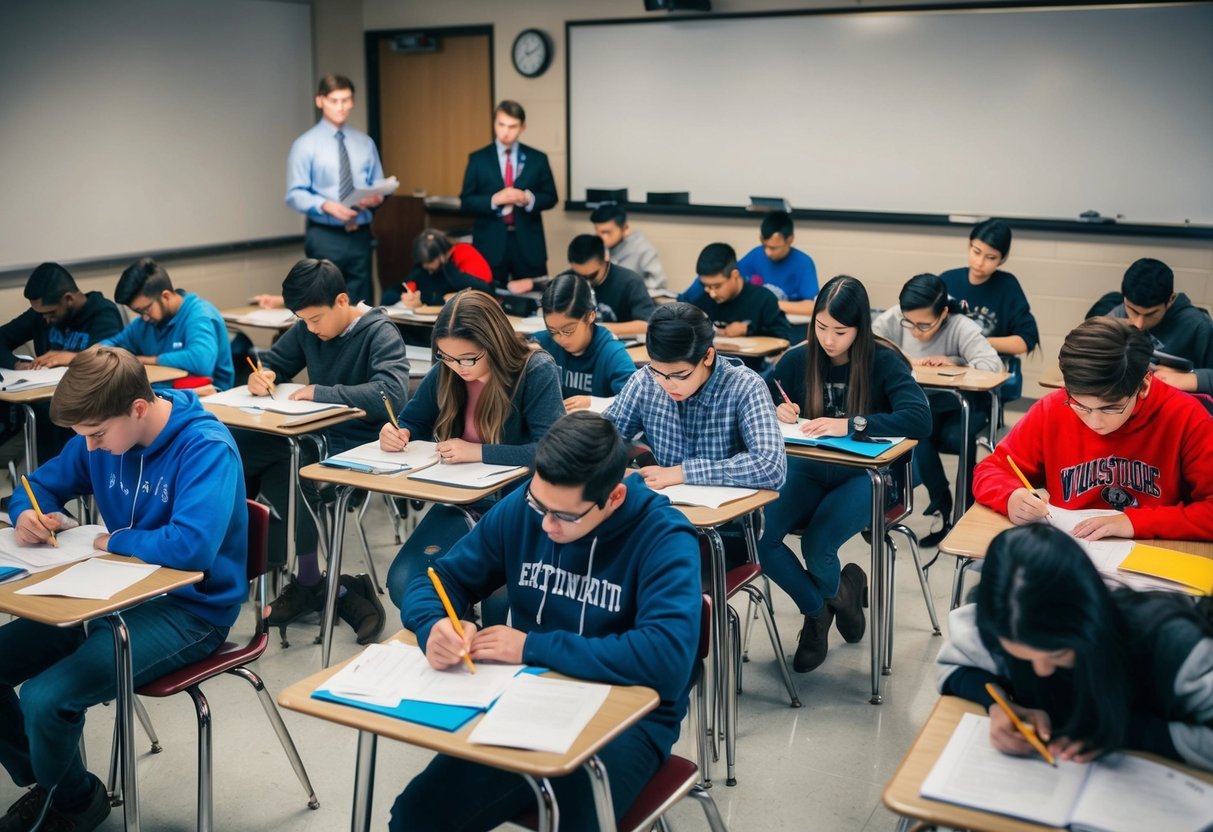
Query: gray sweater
x: 357, y: 369
x: 635, y: 252
x: 959, y: 338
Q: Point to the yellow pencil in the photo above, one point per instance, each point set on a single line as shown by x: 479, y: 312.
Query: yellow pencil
x: 257, y: 368
x: 1023, y: 479
x: 450, y: 611
x: 390, y: 415
x: 34, y: 500
x: 1028, y: 732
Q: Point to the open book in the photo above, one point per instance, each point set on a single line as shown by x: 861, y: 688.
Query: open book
x: 467, y: 474
x: 17, y: 381
x: 371, y: 459
x: 707, y: 496
x: 281, y: 402
x: 870, y: 450
x: 1120, y: 793
x: 264, y: 317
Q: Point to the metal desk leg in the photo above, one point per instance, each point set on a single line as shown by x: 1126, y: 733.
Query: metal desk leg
x: 721, y: 658
x: 958, y: 580
x: 124, y: 701
x: 601, y: 786
x: 364, y: 782
x: 995, y: 416
x: 333, y: 582
x: 292, y: 504
x: 31, y: 437
x: 962, y: 465
x: 876, y: 628
x: 548, y: 811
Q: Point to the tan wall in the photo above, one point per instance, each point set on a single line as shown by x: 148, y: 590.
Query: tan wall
x: 1061, y: 273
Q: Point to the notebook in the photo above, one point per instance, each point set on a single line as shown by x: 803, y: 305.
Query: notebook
x: 371, y: 459
x: 280, y: 403
x: 870, y: 450
x: 75, y: 544
x: 1120, y: 793
x: 1192, y: 573
x: 17, y: 381
x: 708, y: 496
x: 467, y: 474
x: 265, y: 317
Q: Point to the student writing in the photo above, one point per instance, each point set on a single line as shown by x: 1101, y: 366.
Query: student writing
x: 441, y: 267
x: 735, y: 306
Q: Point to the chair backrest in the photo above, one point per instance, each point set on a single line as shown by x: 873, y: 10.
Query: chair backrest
x: 258, y: 539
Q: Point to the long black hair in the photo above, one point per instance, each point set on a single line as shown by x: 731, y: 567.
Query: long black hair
x: 926, y: 291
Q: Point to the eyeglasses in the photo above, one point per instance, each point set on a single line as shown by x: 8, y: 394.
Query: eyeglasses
x: 908, y: 324
x: 562, y: 516
x: 660, y: 376
x: 1109, y: 410
x: 462, y: 362
x: 567, y: 332
x: 143, y: 313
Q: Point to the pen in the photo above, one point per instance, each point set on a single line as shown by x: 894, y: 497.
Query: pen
x: 1024, y: 480
x: 450, y: 611
x: 783, y: 392
x: 1028, y: 733
x: 257, y: 368
x: 34, y: 501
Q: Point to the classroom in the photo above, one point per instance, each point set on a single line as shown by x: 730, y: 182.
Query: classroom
x: 163, y: 129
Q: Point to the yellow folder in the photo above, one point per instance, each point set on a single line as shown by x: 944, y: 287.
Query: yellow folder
x: 1191, y: 571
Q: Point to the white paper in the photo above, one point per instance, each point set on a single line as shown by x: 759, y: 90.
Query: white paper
x: 708, y: 496
x: 266, y: 317
x: 791, y: 433
x: 399, y: 310
x: 418, y: 454
x: 385, y: 674
x: 75, y: 544
x: 1129, y: 793
x: 1107, y: 554
x: 280, y: 403
x: 380, y: 187
x: 96, y: 578
x: 599, y: 404
x: 17, y: 381
x: 540, y: 714
x: 528, y: 326
x: 467, y: 474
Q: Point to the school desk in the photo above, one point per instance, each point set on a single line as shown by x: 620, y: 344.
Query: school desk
x: 294, y: 433
x: 752, y: 346
x: 956, y: 381
x: 235, y: 319
x: 394, y: 486
x: 422, y: 316
x: 970, y: 538
x: 880, y: 611
x: 901, y: 795
x: 25, y: 400
x: 1052, y: 379
x: 623, y: 708
x: 71, y: 612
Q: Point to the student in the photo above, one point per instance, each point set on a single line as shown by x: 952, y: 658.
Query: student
x: 633, y: 621
x: 174, y: 327
x: 787, y: 271
x: 708, y: 419
x: 488, y: 398
x: 324, y: 167
x: 735, y: 306
x: 627, y: 246
x: 1114, y: 438
x: 842, y: 372
x: 353, y: 356
x: 441, y: 267
x: 930, y: 330
x: 165, y: 476
x: 993, y: 298
x: 1150, y: 303
x: 1092, y: 671
x: 590, y: 360
x: 624, y: 304
x: 507, y: 186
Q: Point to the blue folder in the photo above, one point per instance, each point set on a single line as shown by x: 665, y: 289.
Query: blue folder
x: 870, y: 450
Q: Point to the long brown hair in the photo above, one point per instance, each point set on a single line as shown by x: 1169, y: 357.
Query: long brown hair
x: 476, y: 317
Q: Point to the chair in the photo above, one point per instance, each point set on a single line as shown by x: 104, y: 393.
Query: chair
x: 232, y: 658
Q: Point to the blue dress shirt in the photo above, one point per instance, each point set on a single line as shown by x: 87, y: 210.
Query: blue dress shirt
x: 313, y: 172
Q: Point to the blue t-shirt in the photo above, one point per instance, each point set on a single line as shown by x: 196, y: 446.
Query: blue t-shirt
x: 601, y: 370
x: 792, y: 278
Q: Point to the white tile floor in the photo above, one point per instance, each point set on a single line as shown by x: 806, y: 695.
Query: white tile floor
x: 822, y: 767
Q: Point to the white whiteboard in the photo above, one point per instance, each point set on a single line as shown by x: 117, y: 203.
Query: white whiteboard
x: 131, y: 126
x: 1017, y: 113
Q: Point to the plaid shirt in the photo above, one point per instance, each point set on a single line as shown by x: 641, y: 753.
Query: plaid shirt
x: 725, y: 434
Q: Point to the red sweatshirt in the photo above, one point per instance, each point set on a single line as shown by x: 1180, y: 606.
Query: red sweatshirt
x: 1157, y: 467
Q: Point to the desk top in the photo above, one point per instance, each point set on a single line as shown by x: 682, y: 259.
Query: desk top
x: 756, y: 346
x: 1052, y: 380
x: 233, y: 316
x: 901, y: 793
x: 894, y: 453
x: 623, y: 708
x: 267, y: 422
x: 703, y: 517
x: 155, y: 373
x: 68, y: 612
x: 979, y: 381
x: 972, y: 535
x: 402, y: 486
x: 421, y: 316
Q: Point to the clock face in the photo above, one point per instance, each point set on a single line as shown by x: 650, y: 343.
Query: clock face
x: 531, y: 54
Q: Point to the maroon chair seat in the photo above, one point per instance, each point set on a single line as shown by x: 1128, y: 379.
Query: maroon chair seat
x: 230, y: 655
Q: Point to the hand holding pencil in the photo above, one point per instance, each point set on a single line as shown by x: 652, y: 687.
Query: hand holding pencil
x: 42, y: 530
x: 1023, y: 507
x: 261, y: 381
x: 1020, y: 738
x: 789, y: 411
x: 437, y: 644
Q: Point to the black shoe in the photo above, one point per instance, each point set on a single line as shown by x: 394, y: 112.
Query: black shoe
x: 87, y: 819
x: 296, y: 600
x: 360, y: 608
x: 848, y: 605
x: 941, y: 507
x: 22, y: 814
x: 935, y: 538
x: 813, y: 641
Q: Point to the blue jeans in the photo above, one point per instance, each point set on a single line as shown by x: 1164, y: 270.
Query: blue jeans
x: 65, y: 671
x: 832, y: 503
x: 456, y: 796
x: 946, y: 438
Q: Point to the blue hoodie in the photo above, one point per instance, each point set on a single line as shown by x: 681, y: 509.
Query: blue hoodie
x: 621, y: 605
x: 178, y: 502
x: 195, y: 340
x: 601, y: 370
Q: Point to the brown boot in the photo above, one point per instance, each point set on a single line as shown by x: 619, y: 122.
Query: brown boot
x: 813, y: 641
x: 848, y: 605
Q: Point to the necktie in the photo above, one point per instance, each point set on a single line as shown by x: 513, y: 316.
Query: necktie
x: 508, y: 217
x: 345, y: 183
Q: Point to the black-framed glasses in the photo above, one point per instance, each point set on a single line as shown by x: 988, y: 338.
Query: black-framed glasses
x: 562, y: 516
x: 1108, y: 410
x: 143, y: 311
x: 660, y: 376
x: 906, y: 323
x: 462, y: 362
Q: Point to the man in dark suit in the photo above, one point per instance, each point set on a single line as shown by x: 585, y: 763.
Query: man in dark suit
x: 506, y: 186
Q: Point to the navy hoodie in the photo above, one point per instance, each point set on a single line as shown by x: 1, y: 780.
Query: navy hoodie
x: 178, y: 502
x: 622, y: 605
x: 601, y: 370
